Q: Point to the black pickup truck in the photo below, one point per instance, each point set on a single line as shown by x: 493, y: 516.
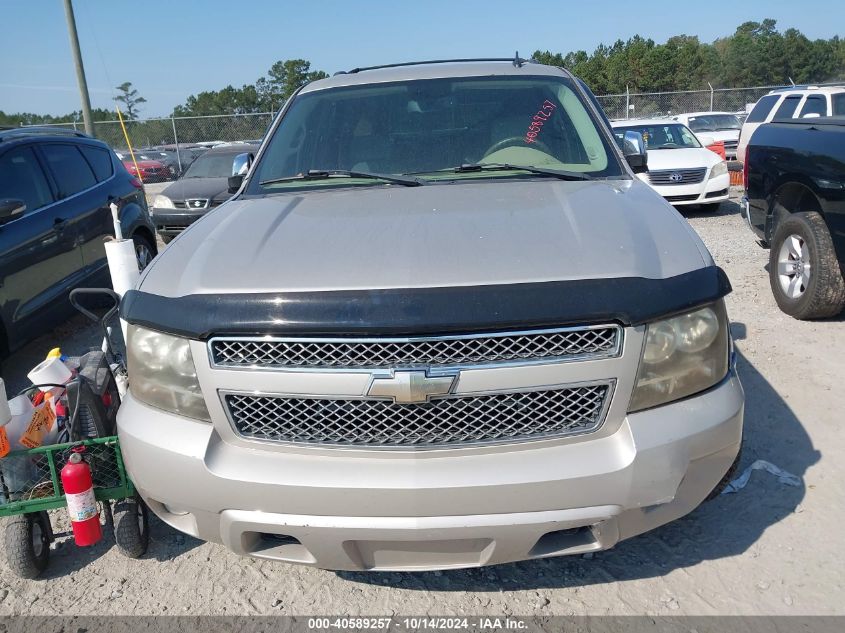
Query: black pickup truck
x: 795, y: 202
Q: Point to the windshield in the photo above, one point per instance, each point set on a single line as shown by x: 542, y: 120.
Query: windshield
x: 714, y: 123
x: 429, y: 127
x: 211, y: 166
x: 661, y: 136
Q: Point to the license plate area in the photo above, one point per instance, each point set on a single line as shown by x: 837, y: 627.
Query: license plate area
x: 437, y: 554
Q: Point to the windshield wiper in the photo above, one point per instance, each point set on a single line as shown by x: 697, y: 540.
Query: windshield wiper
x: 325, y: 174
x: 540, y: 171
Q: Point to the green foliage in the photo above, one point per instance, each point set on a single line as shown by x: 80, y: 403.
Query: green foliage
x: 267, y: 94
x: 28, y: 118
x: 130, y: 99
x: 757, y: 54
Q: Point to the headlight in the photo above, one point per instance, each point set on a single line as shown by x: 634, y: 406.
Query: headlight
x: 682, y: 356
x: 162, y: 202
x: 719, y: 169
x: 162, y: 373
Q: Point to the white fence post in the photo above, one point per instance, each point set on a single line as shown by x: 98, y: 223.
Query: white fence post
x: 711, y: 96
x: 627, y: 102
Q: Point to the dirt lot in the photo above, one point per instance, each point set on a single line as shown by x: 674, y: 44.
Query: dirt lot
x: 768, y: 549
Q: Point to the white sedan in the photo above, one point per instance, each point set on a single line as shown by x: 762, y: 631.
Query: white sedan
x: 719, y: 126
x: 679, y: 168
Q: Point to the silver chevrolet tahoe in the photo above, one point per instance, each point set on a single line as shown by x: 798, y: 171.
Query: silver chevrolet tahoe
x: 440, y: 324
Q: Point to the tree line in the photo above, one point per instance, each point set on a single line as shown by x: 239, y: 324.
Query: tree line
x: 756, y: 54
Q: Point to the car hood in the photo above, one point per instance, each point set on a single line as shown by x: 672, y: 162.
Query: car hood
x: 681, y: 158
x: 198, y: 188
x: 458, y: 234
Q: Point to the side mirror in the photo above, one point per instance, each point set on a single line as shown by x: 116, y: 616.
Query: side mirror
x: 235, y: 183
x: 705, y: 139
x: 240, y: 167
x: 10, y: 208
x: 635, y: 152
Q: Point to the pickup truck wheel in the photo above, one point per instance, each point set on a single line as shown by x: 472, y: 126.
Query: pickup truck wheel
x: 728, y: 478
x: 804, y: 273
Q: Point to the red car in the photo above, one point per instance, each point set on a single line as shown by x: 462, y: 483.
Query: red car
x: 148, y: 170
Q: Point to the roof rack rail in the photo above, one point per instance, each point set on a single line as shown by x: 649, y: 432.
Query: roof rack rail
x: 516, y: 60
x: 809, y: 87
x: 42, y: 130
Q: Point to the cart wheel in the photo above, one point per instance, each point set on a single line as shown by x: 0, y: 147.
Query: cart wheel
x: 27, y: 540
x: 131, y: 527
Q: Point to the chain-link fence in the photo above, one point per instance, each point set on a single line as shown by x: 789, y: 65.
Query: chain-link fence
x: 178, y: 135
x: 638, y: 105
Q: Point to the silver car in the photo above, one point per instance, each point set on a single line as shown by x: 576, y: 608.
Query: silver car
x: 440, y: 324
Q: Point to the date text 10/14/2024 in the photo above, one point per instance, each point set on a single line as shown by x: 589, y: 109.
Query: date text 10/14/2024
x: 417, y: 623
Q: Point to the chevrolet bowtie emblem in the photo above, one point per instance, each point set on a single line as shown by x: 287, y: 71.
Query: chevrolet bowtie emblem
x: 407, y: 387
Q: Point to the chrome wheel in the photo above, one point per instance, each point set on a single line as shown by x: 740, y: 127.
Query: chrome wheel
x: 794, y: 266
x: 144, y: 255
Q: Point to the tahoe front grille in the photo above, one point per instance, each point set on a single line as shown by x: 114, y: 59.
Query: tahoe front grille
x: 447, y: 421
x: 677, y: 176
x: 468, y: 349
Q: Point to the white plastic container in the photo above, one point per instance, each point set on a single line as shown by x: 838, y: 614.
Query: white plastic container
x: 123, y: 267
x: 18, y: 471
x: 5, y: 412
x: 50, y: 371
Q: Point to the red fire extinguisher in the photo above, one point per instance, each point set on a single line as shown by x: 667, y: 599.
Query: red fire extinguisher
x: 81, y: 504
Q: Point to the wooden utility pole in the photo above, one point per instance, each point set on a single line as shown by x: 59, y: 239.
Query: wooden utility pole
x: 80, y: 69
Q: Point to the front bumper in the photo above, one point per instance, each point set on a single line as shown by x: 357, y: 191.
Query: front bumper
x: 170, y: 222
x: 359, y: 510
x: 710, y: 191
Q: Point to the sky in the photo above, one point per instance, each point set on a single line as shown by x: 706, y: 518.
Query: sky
x: 174, y: 48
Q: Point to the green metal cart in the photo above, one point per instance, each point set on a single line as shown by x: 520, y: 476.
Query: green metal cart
x: 30, y: 485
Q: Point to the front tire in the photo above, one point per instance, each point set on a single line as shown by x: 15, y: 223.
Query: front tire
x: 726, y: 479
x: 804, y: 274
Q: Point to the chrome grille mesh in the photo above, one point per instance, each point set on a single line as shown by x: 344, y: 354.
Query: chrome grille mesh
x: 688, y: 176
x: 448, y: 421
x: 596, y: 342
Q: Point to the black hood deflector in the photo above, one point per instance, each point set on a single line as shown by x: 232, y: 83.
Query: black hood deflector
x: 415, y: 311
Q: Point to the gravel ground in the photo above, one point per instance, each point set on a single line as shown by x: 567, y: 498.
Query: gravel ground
x: 768, y: 549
